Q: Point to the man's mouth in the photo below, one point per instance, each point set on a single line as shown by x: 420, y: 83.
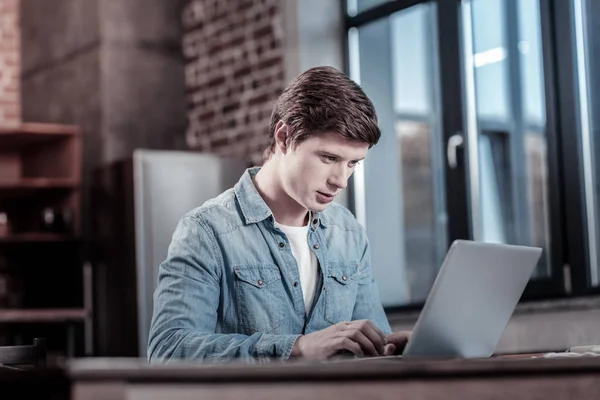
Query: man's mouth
x: 326, y: 194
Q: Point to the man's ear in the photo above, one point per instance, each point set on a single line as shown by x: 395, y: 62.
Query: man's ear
x: 282, y: 136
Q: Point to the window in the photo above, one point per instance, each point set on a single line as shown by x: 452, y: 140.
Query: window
x: 478, y: 101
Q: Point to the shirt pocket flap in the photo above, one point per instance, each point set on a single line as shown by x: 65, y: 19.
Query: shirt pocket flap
x: 259, y: 276
x: 345, y: 273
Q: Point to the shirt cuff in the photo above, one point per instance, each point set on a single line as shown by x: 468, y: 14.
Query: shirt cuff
x: 275, y: 346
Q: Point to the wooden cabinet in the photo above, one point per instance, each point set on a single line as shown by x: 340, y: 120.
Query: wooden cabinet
x: 42, y: 279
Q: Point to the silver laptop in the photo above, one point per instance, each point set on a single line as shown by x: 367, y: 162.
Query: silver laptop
x: 472, y: 300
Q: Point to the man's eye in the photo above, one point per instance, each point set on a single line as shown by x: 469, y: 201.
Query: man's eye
x: 354, y: 163
x: 329, y: 158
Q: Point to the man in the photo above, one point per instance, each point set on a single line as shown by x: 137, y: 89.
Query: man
x: 272, y: 268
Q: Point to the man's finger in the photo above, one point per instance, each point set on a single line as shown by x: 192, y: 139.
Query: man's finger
x: 345, y: 343
x: 374, y: 334
x: 376, y: 329
x: 365, y: 342
x: 399, y: 339
x: 389, y: 349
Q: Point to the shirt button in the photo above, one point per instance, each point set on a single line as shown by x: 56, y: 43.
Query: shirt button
x: 316, y: 246
x: 295, y: 284
x: 260, y: 282
x: 315, y: 221
x: 344, y: 278
x: 281, y: 244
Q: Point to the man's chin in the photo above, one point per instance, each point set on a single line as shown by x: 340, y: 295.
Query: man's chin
x: 319, y: 207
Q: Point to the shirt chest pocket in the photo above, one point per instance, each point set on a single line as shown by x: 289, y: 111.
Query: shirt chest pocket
x: 341, y: 291
x: 259, y: 291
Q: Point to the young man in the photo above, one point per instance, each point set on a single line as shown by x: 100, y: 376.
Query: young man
x: 272, y: 268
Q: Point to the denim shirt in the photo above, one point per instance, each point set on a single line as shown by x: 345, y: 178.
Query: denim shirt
x: 230, y: 286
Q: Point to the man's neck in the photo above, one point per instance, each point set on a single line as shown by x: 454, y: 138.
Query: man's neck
x: 286, y: 210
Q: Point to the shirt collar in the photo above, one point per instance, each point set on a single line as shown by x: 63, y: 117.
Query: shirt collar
x: 252, y: 204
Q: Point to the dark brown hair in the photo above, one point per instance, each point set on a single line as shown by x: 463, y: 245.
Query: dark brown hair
x: 323, y: 99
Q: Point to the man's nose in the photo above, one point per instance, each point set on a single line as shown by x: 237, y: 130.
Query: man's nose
x: 340, y: 178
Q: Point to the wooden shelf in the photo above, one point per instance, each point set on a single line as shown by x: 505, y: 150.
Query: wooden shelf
x: 40, y: 170
x: 42, y: 315
x: 34, y: 133
x: 28, y: 186
x: 39, y: 183
x: 38, y: 237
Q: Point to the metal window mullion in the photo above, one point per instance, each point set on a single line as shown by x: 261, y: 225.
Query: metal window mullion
x: 521, y: 229
x: 586, y: 139
x: 472, y: 133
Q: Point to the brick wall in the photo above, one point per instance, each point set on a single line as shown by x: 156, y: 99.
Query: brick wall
x: 234, y: 73
x: 10, y: 98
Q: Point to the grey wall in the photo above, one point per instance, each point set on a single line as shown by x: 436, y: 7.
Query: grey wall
x: 112, y: 67
x: 143, y: 97
x: 60, y: 47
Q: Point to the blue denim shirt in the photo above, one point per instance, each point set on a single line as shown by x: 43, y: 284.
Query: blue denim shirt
x: 230, y: 286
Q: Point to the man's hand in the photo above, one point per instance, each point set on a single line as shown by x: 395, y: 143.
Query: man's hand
x: 396, y: 342
x: 361, y: 338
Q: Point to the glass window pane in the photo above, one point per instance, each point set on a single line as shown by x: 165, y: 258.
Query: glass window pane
x: 530, y: 54
x: 489, y: 42
x: 537, y: 191
x: 496, y: 203
x: 411, y: 77
x: 420, y: 234
x: 513, y: 179
x: 405, y: 210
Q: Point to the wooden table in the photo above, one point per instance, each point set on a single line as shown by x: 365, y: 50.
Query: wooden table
x: 495, y: 378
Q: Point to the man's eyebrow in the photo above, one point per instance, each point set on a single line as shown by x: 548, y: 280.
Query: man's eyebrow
x: 327, y: 153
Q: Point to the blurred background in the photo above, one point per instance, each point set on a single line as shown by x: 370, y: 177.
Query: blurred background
x: 118, y: 116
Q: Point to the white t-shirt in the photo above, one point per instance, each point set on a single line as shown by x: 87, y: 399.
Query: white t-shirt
x: 308, y: 265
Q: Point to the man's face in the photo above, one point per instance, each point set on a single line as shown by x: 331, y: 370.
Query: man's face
x: 317, y: 169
